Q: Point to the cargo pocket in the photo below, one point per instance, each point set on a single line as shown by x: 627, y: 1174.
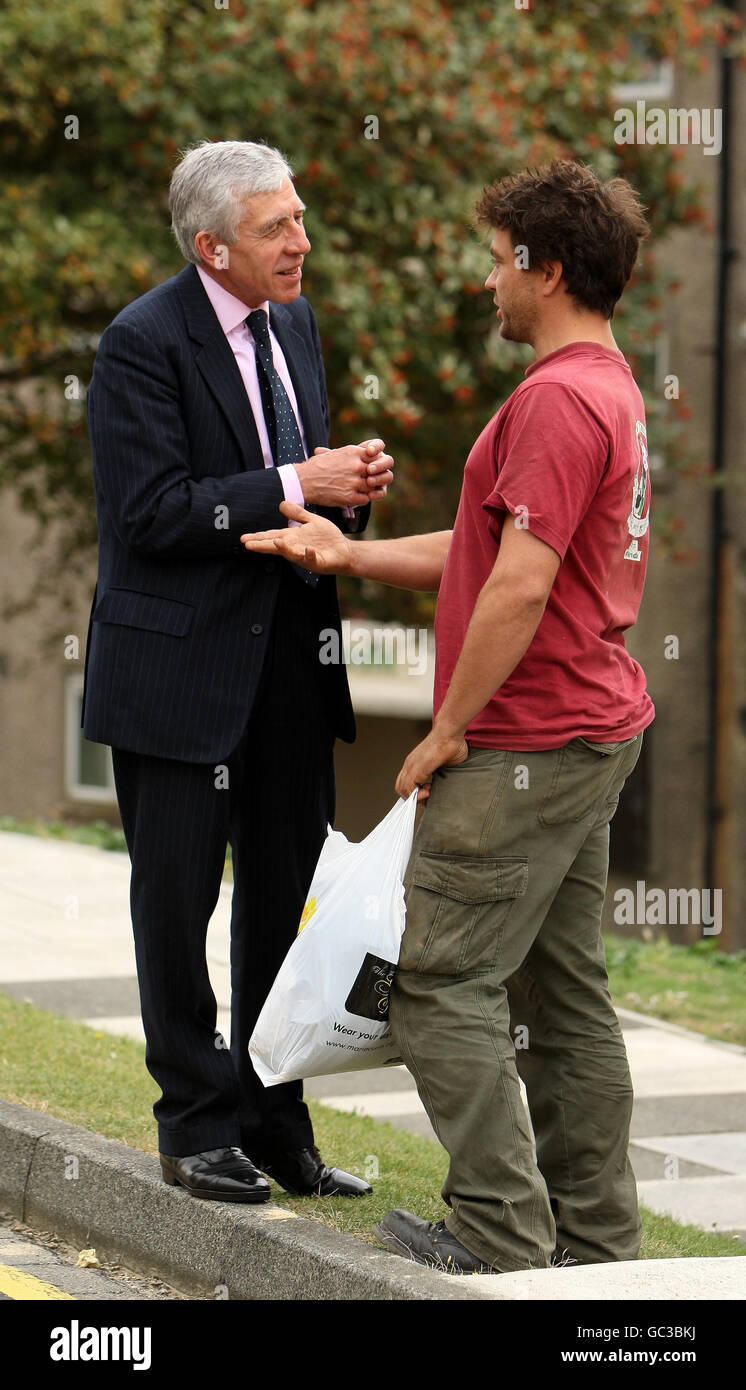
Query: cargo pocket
x: 457, y: 906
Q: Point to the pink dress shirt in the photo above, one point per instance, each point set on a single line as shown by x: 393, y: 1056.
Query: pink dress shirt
x: 232, y: 314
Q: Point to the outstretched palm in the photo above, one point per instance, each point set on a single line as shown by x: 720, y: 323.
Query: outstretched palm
x: 317, y: 544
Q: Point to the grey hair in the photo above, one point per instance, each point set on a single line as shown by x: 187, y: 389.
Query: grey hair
x: 210, y: 185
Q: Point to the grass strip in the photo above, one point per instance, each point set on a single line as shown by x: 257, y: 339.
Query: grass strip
x: 95, y: 832
x: 697, y: 986
x: 99, y: 1081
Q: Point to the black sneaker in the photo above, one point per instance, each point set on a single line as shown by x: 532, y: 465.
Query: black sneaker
x: 428, y: 1243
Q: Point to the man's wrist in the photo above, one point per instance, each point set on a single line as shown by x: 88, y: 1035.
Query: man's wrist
x: 305, y: 480
x: 445, y: 727
x: 352, y: 566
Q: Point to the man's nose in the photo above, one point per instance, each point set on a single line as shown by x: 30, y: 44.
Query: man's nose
x: 299, y: 242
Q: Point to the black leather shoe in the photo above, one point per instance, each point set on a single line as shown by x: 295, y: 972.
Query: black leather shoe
x: 303, y: 1173
x: 219, y: 1175
x: 428, y: 1243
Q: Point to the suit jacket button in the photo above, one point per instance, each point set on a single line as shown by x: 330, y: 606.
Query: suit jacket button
x: 269, y: 566
x: 256, y: 628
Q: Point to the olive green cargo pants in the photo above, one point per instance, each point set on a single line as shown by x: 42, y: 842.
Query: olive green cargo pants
x: 502, y: 975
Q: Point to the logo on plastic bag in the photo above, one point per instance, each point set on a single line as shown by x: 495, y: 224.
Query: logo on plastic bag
x: 369, y: 996
x: 306, y: 914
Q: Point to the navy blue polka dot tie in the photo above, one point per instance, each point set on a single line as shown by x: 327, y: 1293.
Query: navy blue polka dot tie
x: 282, y: 426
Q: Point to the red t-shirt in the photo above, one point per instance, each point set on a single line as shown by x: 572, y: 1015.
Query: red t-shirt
x: 567, y: 456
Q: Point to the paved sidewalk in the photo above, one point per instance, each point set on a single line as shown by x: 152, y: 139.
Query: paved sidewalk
x: 66, y: 946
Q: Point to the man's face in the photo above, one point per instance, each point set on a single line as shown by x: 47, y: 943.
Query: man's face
x: 514, y: 291
x: 265, y: 260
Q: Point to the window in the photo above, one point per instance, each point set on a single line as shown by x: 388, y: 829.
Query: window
x: 89, y: 775
x: 654, y: 79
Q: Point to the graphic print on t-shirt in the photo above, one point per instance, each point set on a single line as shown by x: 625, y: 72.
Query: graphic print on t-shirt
x: 637, y: 521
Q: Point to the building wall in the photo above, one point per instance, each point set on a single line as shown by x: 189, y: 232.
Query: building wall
x: 366, y: 770
x: 676, y: 600
x: 734, y: 885
x: 33, y: 669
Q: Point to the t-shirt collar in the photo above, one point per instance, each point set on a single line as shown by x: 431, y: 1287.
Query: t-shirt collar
x: 574, y: 350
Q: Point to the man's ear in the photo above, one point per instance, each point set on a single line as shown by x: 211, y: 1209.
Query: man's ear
x: 208, y: 252
x: 551, y: 272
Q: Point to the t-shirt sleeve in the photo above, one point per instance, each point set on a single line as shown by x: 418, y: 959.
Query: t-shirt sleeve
x: 551, y: 457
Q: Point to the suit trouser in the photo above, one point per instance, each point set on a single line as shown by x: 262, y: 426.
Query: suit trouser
x: 502, y: 975
x: 178, y: 818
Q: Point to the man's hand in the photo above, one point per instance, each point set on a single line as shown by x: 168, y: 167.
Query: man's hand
x: 348, y: 477
x: 437, y: 750
x: 317, y: 544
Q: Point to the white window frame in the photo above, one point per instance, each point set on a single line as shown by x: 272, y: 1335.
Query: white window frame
x: 81, y: 791
x: 658, y: 88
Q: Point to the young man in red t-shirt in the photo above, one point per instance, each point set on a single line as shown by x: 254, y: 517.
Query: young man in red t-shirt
x: 538, y: 717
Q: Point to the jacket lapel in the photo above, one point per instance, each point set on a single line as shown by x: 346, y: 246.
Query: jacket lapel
x: 218, y: 366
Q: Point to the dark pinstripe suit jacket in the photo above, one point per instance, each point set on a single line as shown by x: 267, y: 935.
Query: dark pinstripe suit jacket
x: 182, y: 612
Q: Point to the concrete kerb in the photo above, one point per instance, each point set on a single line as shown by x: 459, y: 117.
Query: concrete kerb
x: 95, y: 1191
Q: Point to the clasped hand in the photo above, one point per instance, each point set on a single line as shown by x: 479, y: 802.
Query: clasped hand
x: 348, y: 477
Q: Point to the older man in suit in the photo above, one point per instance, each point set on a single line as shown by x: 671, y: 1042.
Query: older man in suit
x: 207, y: 408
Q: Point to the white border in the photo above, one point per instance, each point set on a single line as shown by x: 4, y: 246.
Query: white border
x: 81, y: 791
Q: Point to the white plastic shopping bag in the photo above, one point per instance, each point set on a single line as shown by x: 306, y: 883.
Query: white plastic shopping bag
x: 327, y: 1010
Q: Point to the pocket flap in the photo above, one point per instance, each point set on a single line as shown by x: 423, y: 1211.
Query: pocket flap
x: 470, y: 878
x: 152, y: 612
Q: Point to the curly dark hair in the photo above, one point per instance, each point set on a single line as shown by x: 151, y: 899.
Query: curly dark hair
x: 563, y: 212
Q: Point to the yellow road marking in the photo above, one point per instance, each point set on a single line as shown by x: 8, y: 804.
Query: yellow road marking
x: 17, y: 1284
